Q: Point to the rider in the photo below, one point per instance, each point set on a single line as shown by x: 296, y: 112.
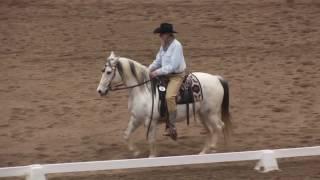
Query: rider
x: 169, y: 62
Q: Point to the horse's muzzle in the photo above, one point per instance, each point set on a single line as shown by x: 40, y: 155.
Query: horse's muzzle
x: 103, y: 93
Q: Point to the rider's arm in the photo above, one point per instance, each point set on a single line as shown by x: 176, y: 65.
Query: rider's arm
x: 173, y: 61
x: 156, y: 63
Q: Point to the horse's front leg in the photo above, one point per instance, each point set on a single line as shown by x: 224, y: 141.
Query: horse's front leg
x: 152, y: 138
x: 134, y: 123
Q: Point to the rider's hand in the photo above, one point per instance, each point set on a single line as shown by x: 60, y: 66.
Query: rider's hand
x: 153, y: 74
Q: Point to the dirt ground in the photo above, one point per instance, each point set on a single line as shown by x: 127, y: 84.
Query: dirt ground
x: 51, y: 54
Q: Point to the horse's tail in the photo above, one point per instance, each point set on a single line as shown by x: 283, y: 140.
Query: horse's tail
x: 226, y: 116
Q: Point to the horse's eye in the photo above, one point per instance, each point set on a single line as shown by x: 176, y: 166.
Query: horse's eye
x: 109, y: 72
x: 103, y: 70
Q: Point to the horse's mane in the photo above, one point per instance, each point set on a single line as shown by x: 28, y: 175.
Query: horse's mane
x: 129, y: 68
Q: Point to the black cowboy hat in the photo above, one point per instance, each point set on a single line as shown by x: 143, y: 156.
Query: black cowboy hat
x: 164, y: 28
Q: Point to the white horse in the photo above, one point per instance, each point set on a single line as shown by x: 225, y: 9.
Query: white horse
x: 213, y: 110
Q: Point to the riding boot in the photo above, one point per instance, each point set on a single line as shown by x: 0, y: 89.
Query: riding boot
x: 172, y: 128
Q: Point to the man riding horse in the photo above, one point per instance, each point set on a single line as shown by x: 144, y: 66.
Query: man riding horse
x: 169, y: 62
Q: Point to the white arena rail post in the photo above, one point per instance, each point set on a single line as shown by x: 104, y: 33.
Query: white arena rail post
x: 36, y: 173
x: 268, y: 162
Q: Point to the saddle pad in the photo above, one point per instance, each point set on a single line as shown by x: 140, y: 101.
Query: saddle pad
x: 190, y: 90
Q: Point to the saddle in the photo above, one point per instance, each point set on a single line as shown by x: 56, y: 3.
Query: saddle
x: 190, y: 92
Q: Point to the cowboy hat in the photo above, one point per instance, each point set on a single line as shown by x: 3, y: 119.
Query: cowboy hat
x: 164, y: 28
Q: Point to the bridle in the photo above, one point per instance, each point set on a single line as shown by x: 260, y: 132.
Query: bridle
x: 118, y: 86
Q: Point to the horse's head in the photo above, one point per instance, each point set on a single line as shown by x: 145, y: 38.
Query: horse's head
x: 110, y: 75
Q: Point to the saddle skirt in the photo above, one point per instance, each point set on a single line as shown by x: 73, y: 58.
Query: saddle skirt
x: 190, y: 92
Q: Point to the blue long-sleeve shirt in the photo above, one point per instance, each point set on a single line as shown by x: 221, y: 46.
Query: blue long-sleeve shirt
x: 169, y: 61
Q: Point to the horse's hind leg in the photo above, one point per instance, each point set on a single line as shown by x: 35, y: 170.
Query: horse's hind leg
x: 207, y: 126
x: 214, y: 125
x: 132, y: 126
x: 217, y: 125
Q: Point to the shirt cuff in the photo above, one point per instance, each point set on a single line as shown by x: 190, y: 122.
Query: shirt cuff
x: 158, y: 72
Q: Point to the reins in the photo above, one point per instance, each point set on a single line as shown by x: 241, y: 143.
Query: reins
x: 117, y: 87
x: 152, y: 108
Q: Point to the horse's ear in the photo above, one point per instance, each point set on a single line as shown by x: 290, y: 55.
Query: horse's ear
x: 112, y: 55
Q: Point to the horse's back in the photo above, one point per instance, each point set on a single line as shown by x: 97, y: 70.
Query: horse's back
x: 212, y: 88
x: 209, y: 80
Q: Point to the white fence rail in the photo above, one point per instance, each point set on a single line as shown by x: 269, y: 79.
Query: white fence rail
x: 267, y: 162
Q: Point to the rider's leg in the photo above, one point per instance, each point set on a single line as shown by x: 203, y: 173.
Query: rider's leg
x: 174, y: 84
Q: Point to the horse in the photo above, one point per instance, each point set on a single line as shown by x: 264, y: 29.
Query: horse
x: 213, y: 110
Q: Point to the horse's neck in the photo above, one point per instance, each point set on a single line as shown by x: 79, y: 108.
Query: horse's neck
x: 130, y: 80
x: 140, y: 95
x: 133, y: 74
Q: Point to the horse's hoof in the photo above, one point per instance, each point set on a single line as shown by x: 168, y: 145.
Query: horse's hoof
x: 211, y: 151
x: 202, y: 153
x: 136, y: 153
x: 152, y: 156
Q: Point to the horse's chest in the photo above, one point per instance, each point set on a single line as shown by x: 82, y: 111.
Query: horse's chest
x: 139, y: 107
